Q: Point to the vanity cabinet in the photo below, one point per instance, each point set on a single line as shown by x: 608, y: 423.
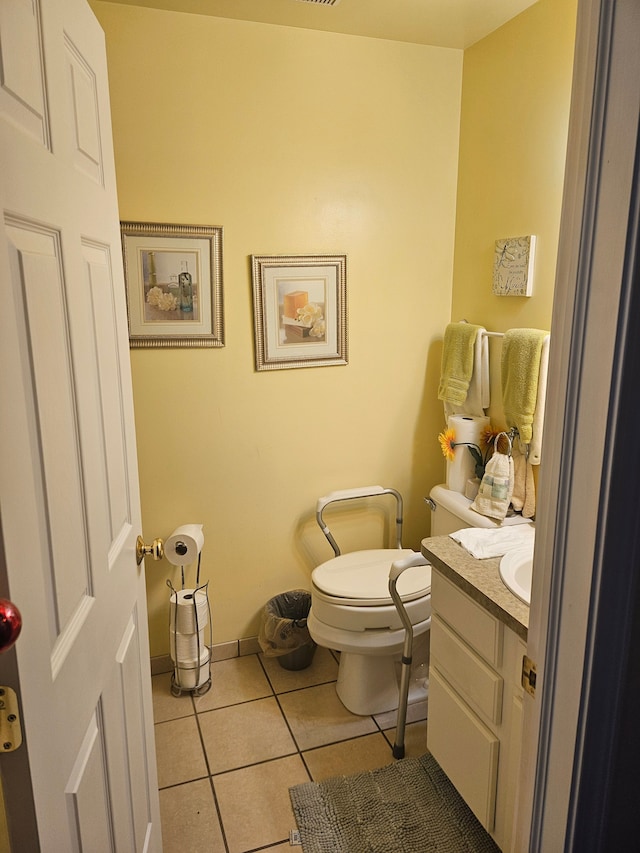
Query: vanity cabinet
x: 475, y: 705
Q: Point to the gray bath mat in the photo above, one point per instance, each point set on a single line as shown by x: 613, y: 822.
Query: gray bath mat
x: 407, y: 807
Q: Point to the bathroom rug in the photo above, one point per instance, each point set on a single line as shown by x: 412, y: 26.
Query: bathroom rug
x: 409, y: 806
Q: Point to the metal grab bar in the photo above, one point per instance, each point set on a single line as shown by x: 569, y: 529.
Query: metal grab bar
x: 350, y: 494
x: 397, y: 568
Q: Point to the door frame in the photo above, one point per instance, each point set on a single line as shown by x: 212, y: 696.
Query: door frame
x: 573, y: 729
x: 17, y: 794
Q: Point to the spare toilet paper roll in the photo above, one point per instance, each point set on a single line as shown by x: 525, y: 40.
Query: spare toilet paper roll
x: 184, y: 544
x: 468, y: 429
x: 189, y: 611
x: 192, y: 675
x: 186, y: 647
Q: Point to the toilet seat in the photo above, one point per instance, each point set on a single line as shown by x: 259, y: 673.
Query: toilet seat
x: 351, y: 592
x: 371, y: 643
x: 361, y: 578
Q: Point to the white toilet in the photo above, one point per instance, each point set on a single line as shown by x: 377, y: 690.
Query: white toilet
x: 352, y: 611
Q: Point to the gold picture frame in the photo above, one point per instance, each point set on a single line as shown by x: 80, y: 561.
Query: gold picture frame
x: 300, y: 310
x: 173, y: 279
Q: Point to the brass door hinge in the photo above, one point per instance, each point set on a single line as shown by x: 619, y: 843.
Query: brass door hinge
x: 529, y: 675
x: 10, y: 731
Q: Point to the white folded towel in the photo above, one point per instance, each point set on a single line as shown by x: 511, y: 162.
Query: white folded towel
x: 482, y: 542
x: 478, y: 395
x: 523, y: 498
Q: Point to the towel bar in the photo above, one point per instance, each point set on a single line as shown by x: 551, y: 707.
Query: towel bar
x: 488, y: 334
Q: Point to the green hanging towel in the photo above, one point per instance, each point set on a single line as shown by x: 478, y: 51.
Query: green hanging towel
x: 520, y: 367
x: 457, y: 362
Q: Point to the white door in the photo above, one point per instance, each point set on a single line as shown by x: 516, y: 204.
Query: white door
x: 69, y: 495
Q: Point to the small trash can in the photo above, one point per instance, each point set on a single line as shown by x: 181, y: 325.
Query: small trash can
x: 283, y: 629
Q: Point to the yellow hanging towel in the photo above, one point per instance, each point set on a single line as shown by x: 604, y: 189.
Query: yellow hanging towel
x: 521, y: 351
x: 457, y: 362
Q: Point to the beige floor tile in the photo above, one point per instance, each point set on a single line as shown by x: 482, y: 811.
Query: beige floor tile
x: 245, y: 734
x: 190, y: 820
x: 179, y: 752
x: 240, y: 679
x: 415, y: 712
x: 323, y: 668
x: 254, y: 803
x: 351, y: 756
x: 166, y: 706
x: 415, y: 739
x: 317, y: 717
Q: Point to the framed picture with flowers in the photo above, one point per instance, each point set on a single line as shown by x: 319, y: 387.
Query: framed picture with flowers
x: 173, y: 277
x: 300, y: 310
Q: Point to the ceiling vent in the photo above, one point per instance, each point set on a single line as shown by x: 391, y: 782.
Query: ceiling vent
x: 321, y: 2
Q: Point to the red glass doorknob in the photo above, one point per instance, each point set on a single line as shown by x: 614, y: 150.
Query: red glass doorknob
x: 10, y: 624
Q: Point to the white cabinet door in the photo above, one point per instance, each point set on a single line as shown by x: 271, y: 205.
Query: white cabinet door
x: 467, y: 750
x: 69, y: 493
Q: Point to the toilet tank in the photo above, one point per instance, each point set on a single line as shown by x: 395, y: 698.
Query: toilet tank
x: 450, y: 511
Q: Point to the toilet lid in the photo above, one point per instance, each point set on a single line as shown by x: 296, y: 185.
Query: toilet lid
x: 365, y: 575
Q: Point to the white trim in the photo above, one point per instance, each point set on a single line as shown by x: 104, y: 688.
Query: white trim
x: 575, y: 482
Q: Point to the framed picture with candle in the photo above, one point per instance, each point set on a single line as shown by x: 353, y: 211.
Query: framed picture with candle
x: 300, y: 310
x: 173, y: 278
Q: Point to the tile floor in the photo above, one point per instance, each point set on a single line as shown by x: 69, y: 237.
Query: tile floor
x: 226, y: 760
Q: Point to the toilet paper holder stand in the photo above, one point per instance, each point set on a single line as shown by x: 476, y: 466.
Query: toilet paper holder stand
x: 188, y: 675
x: 192, y: 676
x: 156, y: 549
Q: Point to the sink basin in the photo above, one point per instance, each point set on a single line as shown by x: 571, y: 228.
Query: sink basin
x: 515, y: 571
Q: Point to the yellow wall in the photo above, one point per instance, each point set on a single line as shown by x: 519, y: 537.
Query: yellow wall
x: 295, y: 142
x: 513, y: 135
x: 302, y: 142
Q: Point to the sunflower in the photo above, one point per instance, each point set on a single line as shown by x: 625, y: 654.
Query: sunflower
x: 488, y: 437
x: 447, y: 440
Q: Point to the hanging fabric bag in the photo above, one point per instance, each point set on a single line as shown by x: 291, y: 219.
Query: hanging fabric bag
x: 496, y: 488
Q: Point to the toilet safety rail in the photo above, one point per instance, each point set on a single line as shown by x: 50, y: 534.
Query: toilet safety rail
x: 350, y: 494
x: 397, y: 568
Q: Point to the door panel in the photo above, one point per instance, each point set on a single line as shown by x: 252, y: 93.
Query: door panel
x: 106, y: 382
x: 84, y: 98
x: 39, y: 291
x: 130, y: 679
x: 22, y: 97
x: 87, y: 792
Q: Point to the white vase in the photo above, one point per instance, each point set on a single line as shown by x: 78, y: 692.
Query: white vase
x: 471, y: 488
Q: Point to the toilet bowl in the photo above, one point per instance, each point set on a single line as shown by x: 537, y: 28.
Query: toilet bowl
x: 352, y: 611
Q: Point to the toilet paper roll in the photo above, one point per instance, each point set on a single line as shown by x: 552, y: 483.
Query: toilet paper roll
x: 191, y: 675
x: 189, y: 611
x: 184, y: 544
x: 186, y: 647
x: 467, y: 429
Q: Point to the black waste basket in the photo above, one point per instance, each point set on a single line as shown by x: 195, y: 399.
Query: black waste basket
x: 283, y: 629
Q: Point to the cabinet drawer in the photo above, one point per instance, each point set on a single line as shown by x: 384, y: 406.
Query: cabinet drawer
x: 479, y: 628
x: 465, y: 749
x: 478, y: 684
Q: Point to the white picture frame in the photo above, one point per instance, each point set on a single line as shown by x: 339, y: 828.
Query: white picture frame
x: 513, y: 266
